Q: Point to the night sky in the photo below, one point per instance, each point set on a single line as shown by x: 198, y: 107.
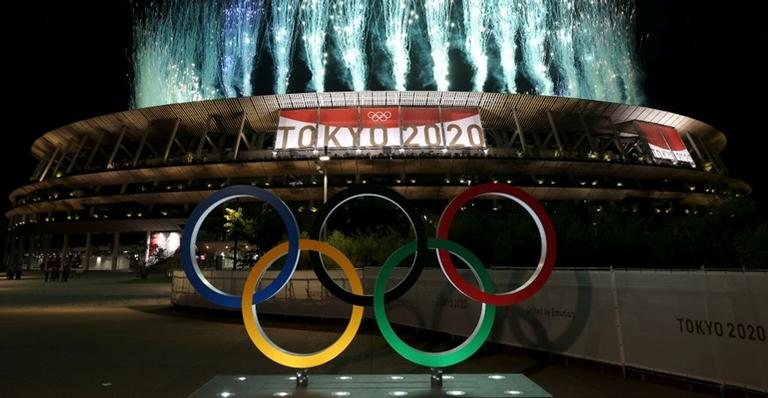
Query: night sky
x: 71, y: 60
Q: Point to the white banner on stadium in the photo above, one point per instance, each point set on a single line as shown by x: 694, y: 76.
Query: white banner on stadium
x: 367, y: 127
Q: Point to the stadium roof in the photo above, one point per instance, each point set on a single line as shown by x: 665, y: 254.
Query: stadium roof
x: 261, y: 114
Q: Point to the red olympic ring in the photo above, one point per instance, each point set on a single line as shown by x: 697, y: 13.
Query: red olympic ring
x: 546, y: 231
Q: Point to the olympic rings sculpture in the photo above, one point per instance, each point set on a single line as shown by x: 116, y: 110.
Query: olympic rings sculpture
x: 420, y: 247
x: 379, y: 116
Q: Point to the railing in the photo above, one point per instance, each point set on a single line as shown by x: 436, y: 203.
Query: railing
x: 698, y: 325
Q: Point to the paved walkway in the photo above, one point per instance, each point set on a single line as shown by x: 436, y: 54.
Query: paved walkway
x: 108, y: 336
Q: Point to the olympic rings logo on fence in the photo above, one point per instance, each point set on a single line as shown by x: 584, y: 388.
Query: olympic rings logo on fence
x: 420, y: 247
x: 379, y: 116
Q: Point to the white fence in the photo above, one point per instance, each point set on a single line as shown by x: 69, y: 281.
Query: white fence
x: 699, y: 324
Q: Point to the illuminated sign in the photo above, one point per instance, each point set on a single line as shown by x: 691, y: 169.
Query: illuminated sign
x: 161, y: 245
x: 665, y: 142
x: 378, y: 127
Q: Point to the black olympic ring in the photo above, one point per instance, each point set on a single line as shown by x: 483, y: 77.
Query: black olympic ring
x: 403, y: 204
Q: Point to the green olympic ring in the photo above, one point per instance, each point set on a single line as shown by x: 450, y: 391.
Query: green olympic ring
x: 444, y: 358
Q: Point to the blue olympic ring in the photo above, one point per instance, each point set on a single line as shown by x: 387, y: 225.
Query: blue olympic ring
x: 192, y: 227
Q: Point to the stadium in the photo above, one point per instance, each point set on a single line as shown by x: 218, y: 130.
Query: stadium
x: 108, y: 189
x: 659, y: 264
x: 539, y: 98
x: 114, y: 192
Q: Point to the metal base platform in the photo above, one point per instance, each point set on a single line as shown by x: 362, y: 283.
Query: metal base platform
x: 372, y: 385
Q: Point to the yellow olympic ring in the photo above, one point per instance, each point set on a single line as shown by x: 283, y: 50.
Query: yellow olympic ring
x: 260, y: 338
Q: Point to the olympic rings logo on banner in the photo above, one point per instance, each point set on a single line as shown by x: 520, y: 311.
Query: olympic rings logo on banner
x: 381, y: 295
x: 379, y: 116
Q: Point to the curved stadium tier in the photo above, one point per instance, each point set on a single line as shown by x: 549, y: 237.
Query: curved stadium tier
x: 113, y: 182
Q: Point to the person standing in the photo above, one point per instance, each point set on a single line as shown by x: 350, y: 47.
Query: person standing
x: 56, y: 264
x: 66, y: 269
x: 46, y: 264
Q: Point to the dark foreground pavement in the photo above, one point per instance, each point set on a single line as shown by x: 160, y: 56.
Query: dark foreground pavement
x: 107, y: 336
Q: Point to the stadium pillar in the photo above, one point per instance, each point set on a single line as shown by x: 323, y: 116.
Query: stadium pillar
x: 168, y: 146
x: 240, y: 138
x: 111, y: 160
x: 88, y: 251
x: 65, y: 246
x: 115, y: 250
x: 48, y: 166
x: 77, y: 153
x: 325, y: 186
x: 617, y: 138
x: 7, y: 250
x: 518, y: 132
x: 20, y: 250
x: 31, y: 239
x: 137, y: 155
x: 40, y: 166
x: 94, y: 151
x: 146, y: 252
x: 554, y: 131
x: 45, y: 243
x: 588, y: 133
x: 56, y: 169
x: 695, y: 148
x: 201, y: 143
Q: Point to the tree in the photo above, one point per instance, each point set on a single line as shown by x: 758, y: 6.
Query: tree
x: 237, y: 226
x: 366, y: 249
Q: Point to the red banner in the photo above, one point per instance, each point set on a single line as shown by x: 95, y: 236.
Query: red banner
x: 665, y: 142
